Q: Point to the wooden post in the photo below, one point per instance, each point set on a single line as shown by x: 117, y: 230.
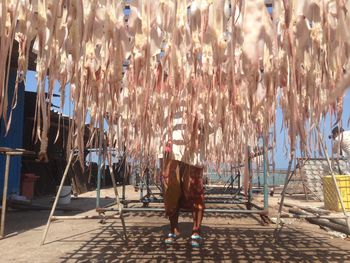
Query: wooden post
x: 57, y: 196
x: 4, y: 196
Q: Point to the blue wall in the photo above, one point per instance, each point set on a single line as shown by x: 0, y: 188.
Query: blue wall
x: 14, y: 139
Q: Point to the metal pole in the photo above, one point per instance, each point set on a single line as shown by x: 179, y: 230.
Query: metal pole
x: 117, y: 199
x: 114, y: 187
x: 98, y: 187
x: 123, y: 191
x: 124, y: 178
x: 55, y: 218
x: 209, y: 210
x: 141, y: 185
x: 57, y: 196
x: 147, y: 183
x: 286, y: 181
x: 239, y: 182
x: 266, y: 189
x: 250, y: 190
x: 119, y: 206
x: 4, y: 196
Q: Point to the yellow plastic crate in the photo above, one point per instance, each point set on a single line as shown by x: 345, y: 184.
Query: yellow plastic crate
x: 331, y: 201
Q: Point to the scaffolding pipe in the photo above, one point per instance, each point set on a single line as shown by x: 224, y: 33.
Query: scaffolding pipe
x: 98, y: 189
x: 229, y: 211
x: 56, y: 198
x: 286, y: 181
x: 250, y: 176
x: 55, y: 218
x: 266, y: 189
x: 4, y: 196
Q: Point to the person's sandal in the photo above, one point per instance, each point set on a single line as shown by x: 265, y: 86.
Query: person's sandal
x: 170, y: 239
x: 196, y: 240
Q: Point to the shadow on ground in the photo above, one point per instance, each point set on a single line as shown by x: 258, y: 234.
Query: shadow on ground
x: 107, y: 244
x: 188, y: 216
x: 35, y: 218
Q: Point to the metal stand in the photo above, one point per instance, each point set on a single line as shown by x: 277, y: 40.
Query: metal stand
x: 252, y: 208
x: 4, y: 196
x: 9, y: 153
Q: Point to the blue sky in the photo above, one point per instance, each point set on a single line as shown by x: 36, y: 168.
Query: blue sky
x: 281, y: 157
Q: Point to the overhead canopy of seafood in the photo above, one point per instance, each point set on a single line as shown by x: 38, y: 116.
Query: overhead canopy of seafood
x: 226, y: 63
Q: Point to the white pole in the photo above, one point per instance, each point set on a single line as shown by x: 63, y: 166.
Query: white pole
x: 56, y: 198
x: 4, y: 196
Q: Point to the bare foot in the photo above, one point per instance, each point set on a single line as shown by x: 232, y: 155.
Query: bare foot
x: 176, y: 231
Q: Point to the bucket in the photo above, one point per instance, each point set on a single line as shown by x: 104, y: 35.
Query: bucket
x: 65, y: 195
x: 27, y: 187
x: 331, y: 201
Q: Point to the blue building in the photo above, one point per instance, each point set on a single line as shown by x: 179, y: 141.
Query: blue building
x: 14, y: 138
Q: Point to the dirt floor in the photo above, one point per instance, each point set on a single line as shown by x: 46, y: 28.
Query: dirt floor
x: 230, y: 237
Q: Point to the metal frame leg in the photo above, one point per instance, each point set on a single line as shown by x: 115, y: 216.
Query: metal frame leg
x: 56, y: 198
x: 98, y: 186
x: 286, y: 181
x: 250, y: 189
x: 117, y: 199
x: 100, y: 165
x: 4, y: 196
x: 124, y: 181
x: 266, y: 188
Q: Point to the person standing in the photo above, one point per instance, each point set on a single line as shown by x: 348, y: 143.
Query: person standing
x: 341, y: 140
x: 182, y: 164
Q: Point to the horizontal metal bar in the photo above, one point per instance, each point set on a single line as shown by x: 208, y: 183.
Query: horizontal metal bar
x: 139, y: 209
x: 12, y: 153
x: 213, y: 210
x: 237, y: 202
x: 102, y: 210
x: 224, y: 202
x: 212, y: 201
x: 151, y: 200
x: 54, y: 218
x: 208, y: 199
x: 224, y: 197
x: 161, y: 200
x: 238, y: 211
x: 106, y: 209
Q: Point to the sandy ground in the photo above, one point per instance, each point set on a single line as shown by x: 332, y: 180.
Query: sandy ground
x: 229, y: 238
